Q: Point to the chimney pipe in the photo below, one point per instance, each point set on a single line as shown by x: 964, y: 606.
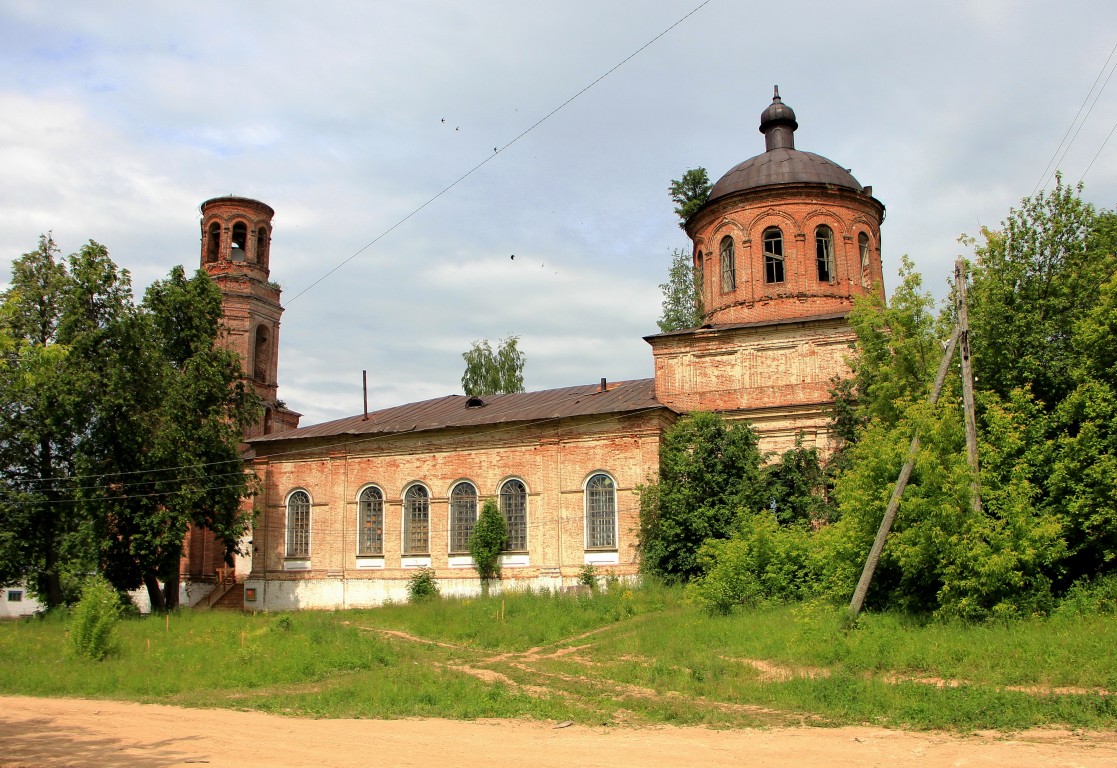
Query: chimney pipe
x: 364, y: 386
x: 604, y: 385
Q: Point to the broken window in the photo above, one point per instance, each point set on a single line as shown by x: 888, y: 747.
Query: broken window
x: 773, y: 255
x: 824, y: 253
x: 728, y: 266
x: 863, y: 246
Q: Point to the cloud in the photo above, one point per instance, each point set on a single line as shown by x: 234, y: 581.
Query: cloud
x: 116, y: 124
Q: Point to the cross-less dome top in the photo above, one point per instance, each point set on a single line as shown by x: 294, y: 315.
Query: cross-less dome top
x: 782, y: 163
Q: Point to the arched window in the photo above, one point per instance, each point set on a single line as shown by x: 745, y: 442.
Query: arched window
x: 863, y: 247
x: 267, y: 421
x: 213, y: 242
x: 370, y: 522
x: 262, y: 246
x: 261, y: 355
x: 824, y: 253
x: 700, y: 270
x: 463, y: 515
x: 240, y: 242
x: 298, y: 524
x: 601, y: 512
x: 513, y: 506
x: 773, y: 255
x: 728, y: 266
x: 416, y: 521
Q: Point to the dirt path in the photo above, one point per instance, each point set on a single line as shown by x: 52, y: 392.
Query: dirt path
x: 74, y: 732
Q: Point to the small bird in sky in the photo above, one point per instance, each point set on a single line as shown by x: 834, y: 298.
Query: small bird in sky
x: 495, y: 149
x: 444, y: 119
x: 513, y: 257
x: 457, y: 128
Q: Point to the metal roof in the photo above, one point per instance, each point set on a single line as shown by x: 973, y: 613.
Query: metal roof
x: 783, y: 166
x: 462, y: 411
x: 781, y: 163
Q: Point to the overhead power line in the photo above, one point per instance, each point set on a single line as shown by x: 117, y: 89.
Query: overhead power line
x: 496, y: 151
x: 345, y: 443
x: 1052, y: 163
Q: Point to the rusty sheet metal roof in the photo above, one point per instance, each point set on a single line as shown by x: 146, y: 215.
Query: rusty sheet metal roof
x: 453, y: 411
x: 783, y: 166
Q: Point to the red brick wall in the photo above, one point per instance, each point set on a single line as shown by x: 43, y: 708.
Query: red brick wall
x: 775, y: 375
x: 797, y: 210
x: 553, y: 462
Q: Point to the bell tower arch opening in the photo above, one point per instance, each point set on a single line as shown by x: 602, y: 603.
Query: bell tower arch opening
x: 212, y: 243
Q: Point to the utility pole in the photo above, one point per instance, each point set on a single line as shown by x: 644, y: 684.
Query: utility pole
x: 897, y: 493
x: 960, y: 338
x: 967, y: 383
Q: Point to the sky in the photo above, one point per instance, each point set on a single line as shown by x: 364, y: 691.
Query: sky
x: 118, y: 120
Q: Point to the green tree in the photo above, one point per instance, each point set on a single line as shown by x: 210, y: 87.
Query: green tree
x: 1044, y: 316
x: 486, y: 542
x: 489, y: 373
x: 796, y: 487
x: 761, y: 562
x: 940, y: 557
x: 682, y: 297
x: 709, y: 472
x: 165, y: 428
x: 42, y: 539
x: 123, y: 425
x: 689, y: 193
x: 1034, y: 279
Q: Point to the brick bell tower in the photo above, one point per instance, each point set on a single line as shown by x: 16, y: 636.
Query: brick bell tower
x: 236, y: 250
x: 783, y: 245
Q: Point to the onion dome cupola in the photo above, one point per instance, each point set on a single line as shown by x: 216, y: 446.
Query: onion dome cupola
x: 786, y: 234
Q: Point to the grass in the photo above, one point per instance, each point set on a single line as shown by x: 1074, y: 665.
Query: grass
x: 622, y: 656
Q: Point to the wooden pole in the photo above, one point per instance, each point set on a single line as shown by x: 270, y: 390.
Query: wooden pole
x: 967, y: 384
x: 897, y: 493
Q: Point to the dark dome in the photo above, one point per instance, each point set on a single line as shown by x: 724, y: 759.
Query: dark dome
x: 782, y: 163
x: 783, y: 166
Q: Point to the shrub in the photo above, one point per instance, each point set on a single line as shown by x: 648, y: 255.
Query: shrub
x: 588, y: 576
x: 708, y: 469
x: 1088, y: 597
x: 93, y: 627
x: 422, y: 586
x: 486, y: 543
x: 760, y: 563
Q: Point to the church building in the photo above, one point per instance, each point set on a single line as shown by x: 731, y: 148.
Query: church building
x: 349, y: 509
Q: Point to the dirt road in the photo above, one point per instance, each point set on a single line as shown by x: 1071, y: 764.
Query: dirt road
x: 73, y: 732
